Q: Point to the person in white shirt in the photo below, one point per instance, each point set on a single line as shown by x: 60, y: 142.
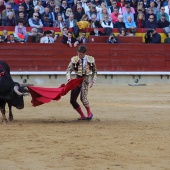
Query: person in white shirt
x: 47, y: 38
x: 106, y: 23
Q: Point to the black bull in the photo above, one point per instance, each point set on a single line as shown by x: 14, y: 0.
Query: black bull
x: 11, y: 92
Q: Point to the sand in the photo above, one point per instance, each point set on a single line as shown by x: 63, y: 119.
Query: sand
x: 130, y: 130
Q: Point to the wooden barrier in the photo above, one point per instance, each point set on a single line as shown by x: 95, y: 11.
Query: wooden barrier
x: 109, y: 57
x: 103, y: 39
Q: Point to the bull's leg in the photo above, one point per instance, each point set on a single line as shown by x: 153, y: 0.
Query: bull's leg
x: 10, y: 112
x: 4, y: 119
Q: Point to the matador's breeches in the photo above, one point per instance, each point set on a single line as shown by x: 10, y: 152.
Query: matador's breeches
x: 83, y: 91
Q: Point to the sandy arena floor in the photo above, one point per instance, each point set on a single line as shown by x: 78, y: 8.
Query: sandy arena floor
x: 130, y: 130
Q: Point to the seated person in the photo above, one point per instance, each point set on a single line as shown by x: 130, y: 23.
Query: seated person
x: 21, y: 29
x: 152, y: 37
x: 9, y: 20
x: 84, y: 23
x: 83, y: 39
x: 34, y: 36
x: 96, y: 32
x: 47, y: 37
x: 70, y: 40
x: 130, y: 25
x: 151, y: 23
x: 11, y: 39
x: 36, y: 22
x: 122, y: 33
x: 112, y: 39
x: 162, y: 23
x: 5, y: 35
x: 119, y: 24
x: 1, y: 40
x: 167, y: 40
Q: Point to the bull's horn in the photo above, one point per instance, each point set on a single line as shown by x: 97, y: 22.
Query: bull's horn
x: 26, y: 85
x: 17, y: 91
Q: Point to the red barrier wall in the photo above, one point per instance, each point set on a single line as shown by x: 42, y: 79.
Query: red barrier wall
x: 109, y: 57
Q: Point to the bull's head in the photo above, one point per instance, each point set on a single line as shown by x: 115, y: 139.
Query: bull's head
x: 19, y: 92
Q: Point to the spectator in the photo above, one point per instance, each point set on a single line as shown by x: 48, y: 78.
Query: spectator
x: 146, y: 5
x: 127, y: 4
x: 152, y: 6
x: 96, y: 32
x: 5, y: 35
x: 67, y: 13
x: 121, y: 4
x: 59, y: 23
x: 97, y: 3
x: 130, y: 25
x: 51, y: 5
x: 1, y: 40
x: 34, y: 3
x: 47, y: 38
x: 140, y: 22
x: 83, y: 39
x: 167, y: 40
x: 21, y: 30
x: 76, y: 4
x: 152, y: 37
x: 92, y: 11
x: 23, y: 19
x: 33, y: 35
x: 14, y: 6
x: 84, y: 23
x: 2, y: 6
x: 112, y: 39
x: 6, y: 11
x: 150, y: 12
x: 114, y: 15
x: 122, y: 33
x: 20, y: 9
x: 47, y: 17
x: 36, y: 22
x: 128, y: 13
x: 120, y: 24
x: 104, y: 12
x: 63, y: 6
x: 28, y: 6
x: 151, y: 23
x: 79, y: 13
x: 94, y: 22
x: 19, y: 2
x: 167, y: 9
x: 57, y: 12
x: 106, y: 23
x: 71, y: 22
x: 87, y: 6
x: 9, y: 20
x: 64, y: 31
x: 114, y: 6
x: 162, y: 12
x: 162, y: 23
x: 40, y: 6
x: 11, y: 39
x: 36, y: 10
x: 69, y: 40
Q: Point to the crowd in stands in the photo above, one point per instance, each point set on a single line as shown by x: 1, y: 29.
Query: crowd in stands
x: 125, y: 15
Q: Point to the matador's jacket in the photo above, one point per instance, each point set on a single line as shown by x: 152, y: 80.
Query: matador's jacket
x: 82, y: 68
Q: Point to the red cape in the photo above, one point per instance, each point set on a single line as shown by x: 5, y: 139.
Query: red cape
x: 41, y: 95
